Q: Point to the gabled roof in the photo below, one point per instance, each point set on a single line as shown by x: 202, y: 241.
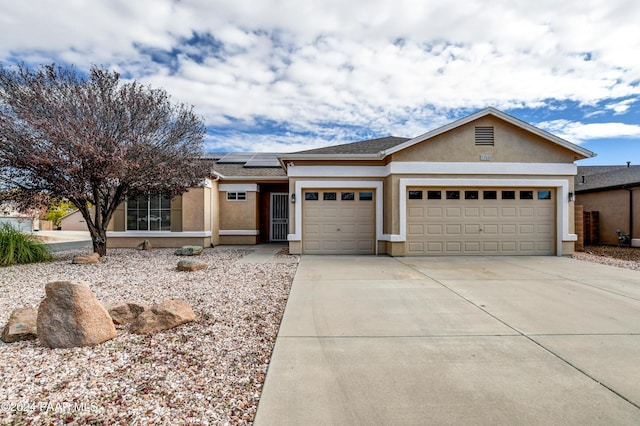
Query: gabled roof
x: 585, y: 153
x: 382, y: 147
x: 597, y: 178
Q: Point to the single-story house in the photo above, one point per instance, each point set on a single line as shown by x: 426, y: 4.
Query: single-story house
x: 19, y: 220
x: 73, y: 221
x: 613, y: 192
x: 486, y: 184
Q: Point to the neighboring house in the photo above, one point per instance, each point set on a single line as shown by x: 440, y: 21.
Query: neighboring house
x: 487, y: 184
x: 73, y: 221
x: 21, y: 221
x: 613, y: 192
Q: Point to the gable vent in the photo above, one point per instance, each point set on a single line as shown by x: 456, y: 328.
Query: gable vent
x: 484, y: 135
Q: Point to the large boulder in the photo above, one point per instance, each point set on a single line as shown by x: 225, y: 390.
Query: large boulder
x: 71, y: 315
x: 86, y: 259
x: 191, y: 265
x: 163, y: 316
x: 125, y: 312
x: 189, y: 251
x: 21, y: 325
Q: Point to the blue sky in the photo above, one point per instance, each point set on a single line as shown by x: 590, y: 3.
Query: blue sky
x: 286, y: 75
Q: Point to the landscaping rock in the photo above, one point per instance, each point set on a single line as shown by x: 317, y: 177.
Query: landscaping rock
x: 21, y: 325
x: 145, y: 245
x: 189, y: 251
x: 87, y: 259
x: 191, y: 265
x: 163, y: 316
x: 71, y: 316
x: 125, y: 312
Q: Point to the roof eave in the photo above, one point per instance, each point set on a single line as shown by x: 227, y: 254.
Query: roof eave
x: 376, y: 156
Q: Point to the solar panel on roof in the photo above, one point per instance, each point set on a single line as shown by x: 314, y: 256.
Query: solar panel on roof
x: 263, y: 161
x: 236, y: 157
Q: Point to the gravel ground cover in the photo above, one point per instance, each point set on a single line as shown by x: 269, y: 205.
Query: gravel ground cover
x: 209, y: 371
x: 622, y: 257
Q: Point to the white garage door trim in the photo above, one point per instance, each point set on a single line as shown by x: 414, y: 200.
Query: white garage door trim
x: 311, y: 184
x: 562, y: 200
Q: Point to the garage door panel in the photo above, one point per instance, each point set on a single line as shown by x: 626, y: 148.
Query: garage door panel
x: 435, y: 247
x: 527, y: 212
x: 490, y: 229
x: 490, y: 246
x: 415, y: 248
x: 472, y: 212
x: 508, y: 229
x: 545, y: 212
x: 527, y: 228
x: 453, y: 230
x: 472, y: 229
x: 416, y: 230
x: 434, y: 212
x: 527, y: 246
x: 508, y: 246
x: 545, y: 229
x: 434, y: 230
x: 453, y: 212
x: 416, y: 212
x: 490, y: 212
x: 520, y: 225
x: 472, y: 247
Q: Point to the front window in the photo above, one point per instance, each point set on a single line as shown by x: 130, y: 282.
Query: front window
x: 151, y: 213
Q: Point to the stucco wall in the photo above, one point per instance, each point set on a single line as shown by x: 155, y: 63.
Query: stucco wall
x: 238, y: 215
x: 73, y: 222
x: 157, y: 242
x: 512, y: 144
x: 614, y: 212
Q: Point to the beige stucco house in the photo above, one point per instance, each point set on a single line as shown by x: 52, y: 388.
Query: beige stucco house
x: 487, y: 184
x: 613, y: 192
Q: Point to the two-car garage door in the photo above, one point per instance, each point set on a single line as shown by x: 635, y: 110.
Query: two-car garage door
x: 480, y: 221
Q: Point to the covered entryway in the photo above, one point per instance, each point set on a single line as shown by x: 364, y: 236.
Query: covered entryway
x: 338, y: 221
x: 480, y: 221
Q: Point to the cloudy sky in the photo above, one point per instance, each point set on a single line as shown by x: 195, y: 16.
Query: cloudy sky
x: 285, y: 75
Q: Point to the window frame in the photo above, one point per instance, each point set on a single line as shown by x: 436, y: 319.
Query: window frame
x: 161, y: 211
x: 414, y: 194
x: 236, y: 195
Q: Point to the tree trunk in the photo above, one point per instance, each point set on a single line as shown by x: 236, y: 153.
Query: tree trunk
x: 99, y: 239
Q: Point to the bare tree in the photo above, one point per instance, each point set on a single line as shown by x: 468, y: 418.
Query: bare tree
x: 93, y: 140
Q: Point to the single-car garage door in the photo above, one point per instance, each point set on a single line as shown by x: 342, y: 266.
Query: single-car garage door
x: 338, y: 221
x: 481, y: 221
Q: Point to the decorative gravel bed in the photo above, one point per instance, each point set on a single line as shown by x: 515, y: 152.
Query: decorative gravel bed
x: 209, y: 371
x: 622, y: 257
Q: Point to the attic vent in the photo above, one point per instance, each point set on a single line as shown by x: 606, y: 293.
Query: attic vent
x: 484, y: 135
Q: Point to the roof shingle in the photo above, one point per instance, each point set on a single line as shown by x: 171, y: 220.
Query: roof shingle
x: 591, y: 178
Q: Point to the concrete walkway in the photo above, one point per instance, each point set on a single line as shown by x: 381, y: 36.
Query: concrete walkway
x: 414, y: 341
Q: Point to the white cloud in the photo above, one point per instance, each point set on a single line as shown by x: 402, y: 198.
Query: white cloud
x: 386, y: 67
x: 577, y: 132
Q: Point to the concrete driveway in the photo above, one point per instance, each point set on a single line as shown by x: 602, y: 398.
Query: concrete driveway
x: 469, y: 340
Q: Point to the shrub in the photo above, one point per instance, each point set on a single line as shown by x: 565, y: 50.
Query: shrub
x: 16, y: 247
